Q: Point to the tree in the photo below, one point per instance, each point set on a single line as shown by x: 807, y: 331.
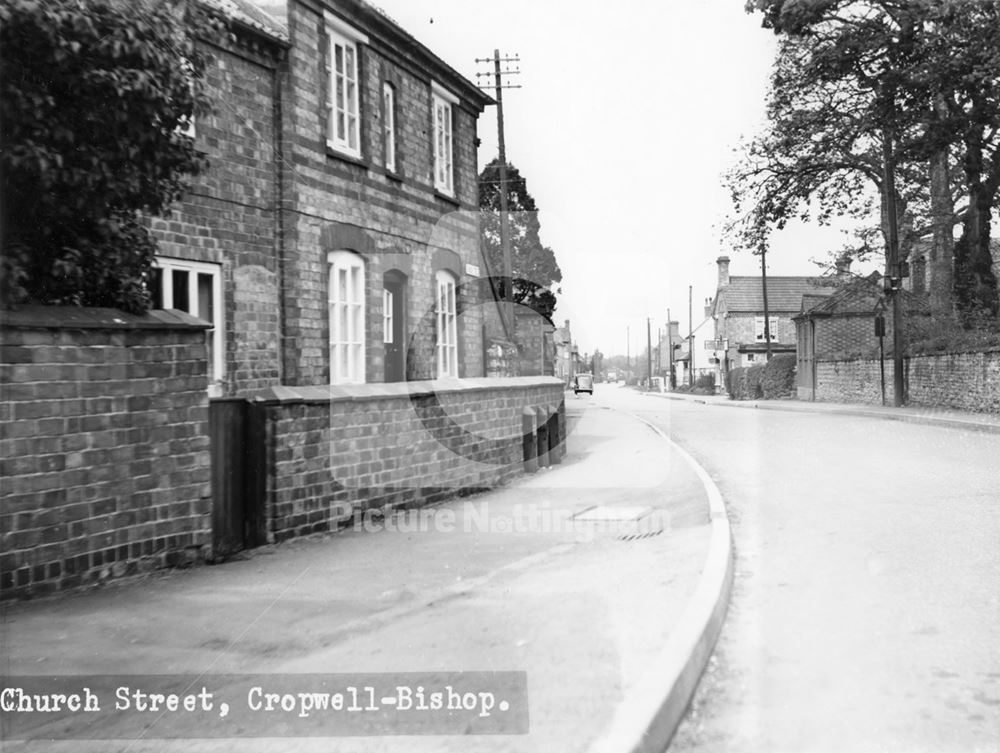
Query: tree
x: 534, y: 266
x: 96, y: 99
x: 931, y: 71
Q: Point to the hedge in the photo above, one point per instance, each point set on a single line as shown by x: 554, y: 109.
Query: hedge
x: 779, y: 377
x: 775, y: 379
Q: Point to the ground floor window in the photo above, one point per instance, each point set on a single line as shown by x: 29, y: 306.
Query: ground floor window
x: 447, y: 328
x: 194, y: 287
x: 347, y: 318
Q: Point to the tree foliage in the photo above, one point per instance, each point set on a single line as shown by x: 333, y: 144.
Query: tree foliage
x: 533, y: 265
x: 854, y: 75
x: 96, y: 99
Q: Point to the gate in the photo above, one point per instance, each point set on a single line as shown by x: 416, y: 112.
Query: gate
x: 236, y: 431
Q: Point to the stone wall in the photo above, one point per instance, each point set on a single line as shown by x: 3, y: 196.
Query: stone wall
x: 105, y: 447
x: 961, y: 381
x: 333, y: 451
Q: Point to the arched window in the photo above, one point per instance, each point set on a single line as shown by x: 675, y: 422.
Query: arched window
x: 446, y: 325
x: 347, y: 317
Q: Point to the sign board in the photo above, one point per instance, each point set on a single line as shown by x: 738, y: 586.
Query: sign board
x: 472, y: 270
x: 715, y: 345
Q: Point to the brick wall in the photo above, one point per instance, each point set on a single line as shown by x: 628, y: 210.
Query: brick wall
x: 333, y: 451
x: 849, y: 336
x: 229, y: 217
x: 105, y: 449
x: 962, y: 381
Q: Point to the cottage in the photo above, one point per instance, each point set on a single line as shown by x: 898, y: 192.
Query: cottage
x: 738, y: 313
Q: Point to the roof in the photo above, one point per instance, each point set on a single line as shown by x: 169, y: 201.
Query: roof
x: 746, y: 295
x: 382, y: 26
x: 253, y: 16
x: 863, y: 297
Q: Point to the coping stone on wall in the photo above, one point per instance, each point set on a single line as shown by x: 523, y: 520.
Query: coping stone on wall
x: 375, y: 390
x: 76, y: 317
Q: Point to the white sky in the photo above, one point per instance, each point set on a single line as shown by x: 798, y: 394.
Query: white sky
x: 628, y: 116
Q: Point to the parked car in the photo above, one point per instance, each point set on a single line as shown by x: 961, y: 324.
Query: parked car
x: 583, y: 383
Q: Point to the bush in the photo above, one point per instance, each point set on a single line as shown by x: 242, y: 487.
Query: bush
x: 778, y: 377
x: 943, y: 333
x: 705, y: 384
x: 745, y: 382
x: 94, y: 101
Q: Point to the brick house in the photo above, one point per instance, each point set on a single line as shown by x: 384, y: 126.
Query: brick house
x: 737, y: 310
x: 334, y: 238
x: 332, y: 248
x: 218, y: 252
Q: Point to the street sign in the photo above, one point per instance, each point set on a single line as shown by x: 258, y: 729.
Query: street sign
x: 715, y: 345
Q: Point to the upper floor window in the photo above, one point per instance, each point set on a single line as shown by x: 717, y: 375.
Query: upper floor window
x: 442, y: 101
x: 194, y: 287
x: 343, y: 101
x: 759, y: 328
x: 347, y: 318
x: 389, y: 125
x: 446, y: 325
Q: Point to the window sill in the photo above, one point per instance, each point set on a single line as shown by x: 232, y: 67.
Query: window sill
x: 448, y: 198
x: 394, y: 176
x: 349, y: 158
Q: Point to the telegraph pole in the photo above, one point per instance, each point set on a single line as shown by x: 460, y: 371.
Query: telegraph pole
x: 670, y: 352
x: 690, y: 340
x: 507, y: 293
x: 649, y: 358
x: 893, y: 268
x: 767, y: 318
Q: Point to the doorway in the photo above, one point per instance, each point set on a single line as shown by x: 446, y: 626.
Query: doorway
x: 394, y: 325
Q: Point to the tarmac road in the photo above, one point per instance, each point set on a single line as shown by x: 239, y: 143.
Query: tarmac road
x: 865, y: 613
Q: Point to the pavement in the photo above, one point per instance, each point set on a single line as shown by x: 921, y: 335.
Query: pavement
x: 910, y: 414
x: 604, y: 580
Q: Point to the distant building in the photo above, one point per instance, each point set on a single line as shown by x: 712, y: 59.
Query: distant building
x: 738, y: 313
x: 566, y: 353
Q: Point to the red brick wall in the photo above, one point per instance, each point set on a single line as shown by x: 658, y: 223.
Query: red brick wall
x: 394, y: 222
x: 230, y: 215
x: 336, y: 450
x: 104, y: 446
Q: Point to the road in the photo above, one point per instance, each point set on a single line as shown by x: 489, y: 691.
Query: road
x: 865, y: 612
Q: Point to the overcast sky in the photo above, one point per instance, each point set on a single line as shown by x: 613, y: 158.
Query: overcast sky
x: 628, y: 116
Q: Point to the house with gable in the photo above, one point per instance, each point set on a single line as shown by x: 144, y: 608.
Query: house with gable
x: 737, y: 310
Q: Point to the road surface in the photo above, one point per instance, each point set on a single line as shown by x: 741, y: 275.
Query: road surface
x: 865, y: 613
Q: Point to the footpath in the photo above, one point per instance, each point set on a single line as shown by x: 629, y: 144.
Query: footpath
x: 603, y: 581
x: 909, y: 414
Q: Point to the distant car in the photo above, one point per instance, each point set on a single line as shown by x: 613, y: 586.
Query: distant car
x: 583, y: 383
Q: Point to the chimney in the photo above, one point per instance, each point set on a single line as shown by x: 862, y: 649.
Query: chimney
x: 723, y: 262
x: 843, y: 265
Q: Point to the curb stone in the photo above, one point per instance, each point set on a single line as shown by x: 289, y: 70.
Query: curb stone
x: 650, y: 713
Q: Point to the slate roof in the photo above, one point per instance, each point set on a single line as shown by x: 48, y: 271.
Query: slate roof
x: 861, y: 298
x: 784, y: 294
x: 381, y: 24
x: 252, y: 15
